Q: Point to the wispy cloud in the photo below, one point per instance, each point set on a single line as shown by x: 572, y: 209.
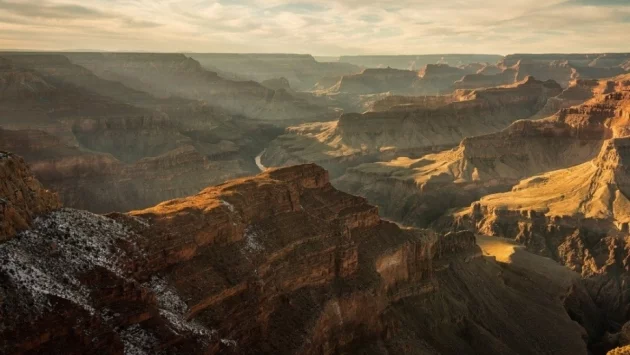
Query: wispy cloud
x: 327, y: 27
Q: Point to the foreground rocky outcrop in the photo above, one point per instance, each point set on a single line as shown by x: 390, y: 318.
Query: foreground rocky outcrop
x: 417, y: 191
x: 279, y: 263
x: 578, y: 216
x: 409, y: 125
x: 22, y: 197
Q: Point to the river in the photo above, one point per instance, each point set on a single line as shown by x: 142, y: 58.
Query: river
x: 259, y: 162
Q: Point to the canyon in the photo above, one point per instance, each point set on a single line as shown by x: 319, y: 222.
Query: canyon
x: 408, y: 125
x: 87, y: 136
x: 216, y: 203
x: 281, y: 262
x: 419, y: 191
x: 301, y: 71
x: 562, y: 68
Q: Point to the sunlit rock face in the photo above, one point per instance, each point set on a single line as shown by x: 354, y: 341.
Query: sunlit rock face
x: 278, y: 263
x: 403, y: 126
x: 22, y: 197
x: 578, y: 216
x: 418, y: 191
x: 562, y: 68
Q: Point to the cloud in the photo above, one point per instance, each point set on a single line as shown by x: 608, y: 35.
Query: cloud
x: 325, y: 27
x: 49, y: 10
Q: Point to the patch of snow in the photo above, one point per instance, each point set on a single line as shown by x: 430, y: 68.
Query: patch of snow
x: 229, y: 342
x: 228, y: 205
x: 252, y: 241
x: 181, y: 326
x: 138, y: 341
x: 174, y: 310
x: 47, y: 259
x: 143, y: 222
x: 167, y: 298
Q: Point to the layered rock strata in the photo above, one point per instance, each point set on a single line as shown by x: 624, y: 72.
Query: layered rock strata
x: 418, y: 191
x: 101, y: 183
x: 22, y: 197
x: 409, y: 126
x: 578, y: 216
x: 279, y: 263
x: 165, y: 75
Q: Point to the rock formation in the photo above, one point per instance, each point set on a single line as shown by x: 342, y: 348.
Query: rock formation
x: 562, y: 68
x: 279, y: 263
x: 372, y: 81
x: 302, y: 71
x: 418, y: 191
x: 164, y: 75
x: 578, y: 216
x: 432, y: 79
x: 100, y: 182
x: 104, y: 146
x: 416, y: 62
x: 582, y: 60
x: 413, y: 125
x: 22, y: 197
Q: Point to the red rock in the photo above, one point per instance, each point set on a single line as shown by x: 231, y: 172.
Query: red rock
x: 278, y: 263
x: 22, y: 197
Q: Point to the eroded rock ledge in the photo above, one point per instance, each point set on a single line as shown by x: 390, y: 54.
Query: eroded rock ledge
x: 22, y: 197
x: 279, y: 263
x: 579, y: 217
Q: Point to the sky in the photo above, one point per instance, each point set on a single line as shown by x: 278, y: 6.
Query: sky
x: 322, y: 27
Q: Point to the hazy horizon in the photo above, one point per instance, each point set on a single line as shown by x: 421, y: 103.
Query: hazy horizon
x: 320, y: 28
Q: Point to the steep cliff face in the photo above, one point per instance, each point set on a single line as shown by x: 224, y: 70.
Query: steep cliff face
x: 164, y: 75
x: 372, y: 81
x: 22, y: 197
x: 578, y: 216
x: 279, y: 263
x: 439, y: 78
x: 578, y: 92
x: 418, y: 191
x: 409, y: 126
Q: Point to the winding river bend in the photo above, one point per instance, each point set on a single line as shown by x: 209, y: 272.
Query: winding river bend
x: 259, y: 162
